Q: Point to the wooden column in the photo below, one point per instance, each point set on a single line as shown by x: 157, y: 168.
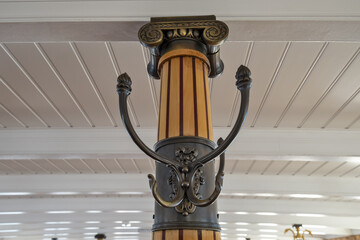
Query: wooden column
x: 186, y: 235
x: 184, y: 111
x: 184, y: 99
x: 184, y: 52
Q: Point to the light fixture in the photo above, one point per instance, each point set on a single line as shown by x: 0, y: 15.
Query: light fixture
x: 9, y: 230
x: 314, y: 226
x: 58, y: 222
x: 15, y: 193
x: 268, y: 236
x: 9, y: 224
x: 59, y: 212
x: 130, y: 193
x: 297, y: 235
x: 309, y: 215
x: 268, y: 230
x: 128, y: 211
x: 267, y: 224
x: 64, y: 193
x: 126, y: 227
x: 242, y: 229
x: 126, y: 233
x: 11, y: 213
x: 56, y: 229
x: 241, y: 213
x: 184, y: 53
x: 241, y: 234
x: 93, y: 211
x: 306, y: 196
x: 266, y: 213
x: 265, y: 195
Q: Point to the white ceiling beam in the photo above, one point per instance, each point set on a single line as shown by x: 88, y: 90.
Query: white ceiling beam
x: 251, y: 144
x: 331, y: 209
x: 112, y: 183
x: 90, y: 10
x: 295, y: 30
x: 348, y: 218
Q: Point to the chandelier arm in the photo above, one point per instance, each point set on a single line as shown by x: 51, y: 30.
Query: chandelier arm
x: 288, y: 229
x: 308, y: 231
x: 179, y: 193
x: 218, y: 184
x: 243, y: 84
x: 124, y: 90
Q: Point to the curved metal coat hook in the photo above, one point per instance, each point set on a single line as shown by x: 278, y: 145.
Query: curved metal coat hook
x: 218, y: 183
x: 179, y: 195
x: 124, y: 89
x: 243, y: 84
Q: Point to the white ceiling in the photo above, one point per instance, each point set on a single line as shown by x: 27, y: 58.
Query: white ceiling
x: 63, y: 147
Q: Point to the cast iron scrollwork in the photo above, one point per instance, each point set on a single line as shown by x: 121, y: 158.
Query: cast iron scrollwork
x: 186, y: 155
x: 185, y: 185
x: 185, y: 171
x: 179, y: 194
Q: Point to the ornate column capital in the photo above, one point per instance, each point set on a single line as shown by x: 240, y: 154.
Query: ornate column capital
x: 203, y: 33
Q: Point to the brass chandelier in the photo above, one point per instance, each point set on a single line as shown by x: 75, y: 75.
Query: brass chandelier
x: 297, y: 235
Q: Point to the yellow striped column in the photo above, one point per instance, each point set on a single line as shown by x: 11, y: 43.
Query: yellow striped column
x: 186, y: 235
x: 184, y: 52
x: 184, y: 99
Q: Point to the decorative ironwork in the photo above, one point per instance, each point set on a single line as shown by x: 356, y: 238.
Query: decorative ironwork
x: 172, y: 182
x: 186, y: 155
x: 183, y: 32
x: 185, y: 164
x: 198, y: 181
x: 242, y: 76
x: 124, y: 84
x: 205, y: 30
x: 185, y: 173
x: 213, y: 32
x: 185, y: 207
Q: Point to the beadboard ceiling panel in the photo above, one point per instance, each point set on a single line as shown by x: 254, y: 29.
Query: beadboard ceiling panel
x: 223, y: 88
x: 343, y: 91
x: 70, y: 64
x: 130, y: 58
x: 264, y: 59
x: 297, y: 61
x: 321, y: 78
x: 311, y: 85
